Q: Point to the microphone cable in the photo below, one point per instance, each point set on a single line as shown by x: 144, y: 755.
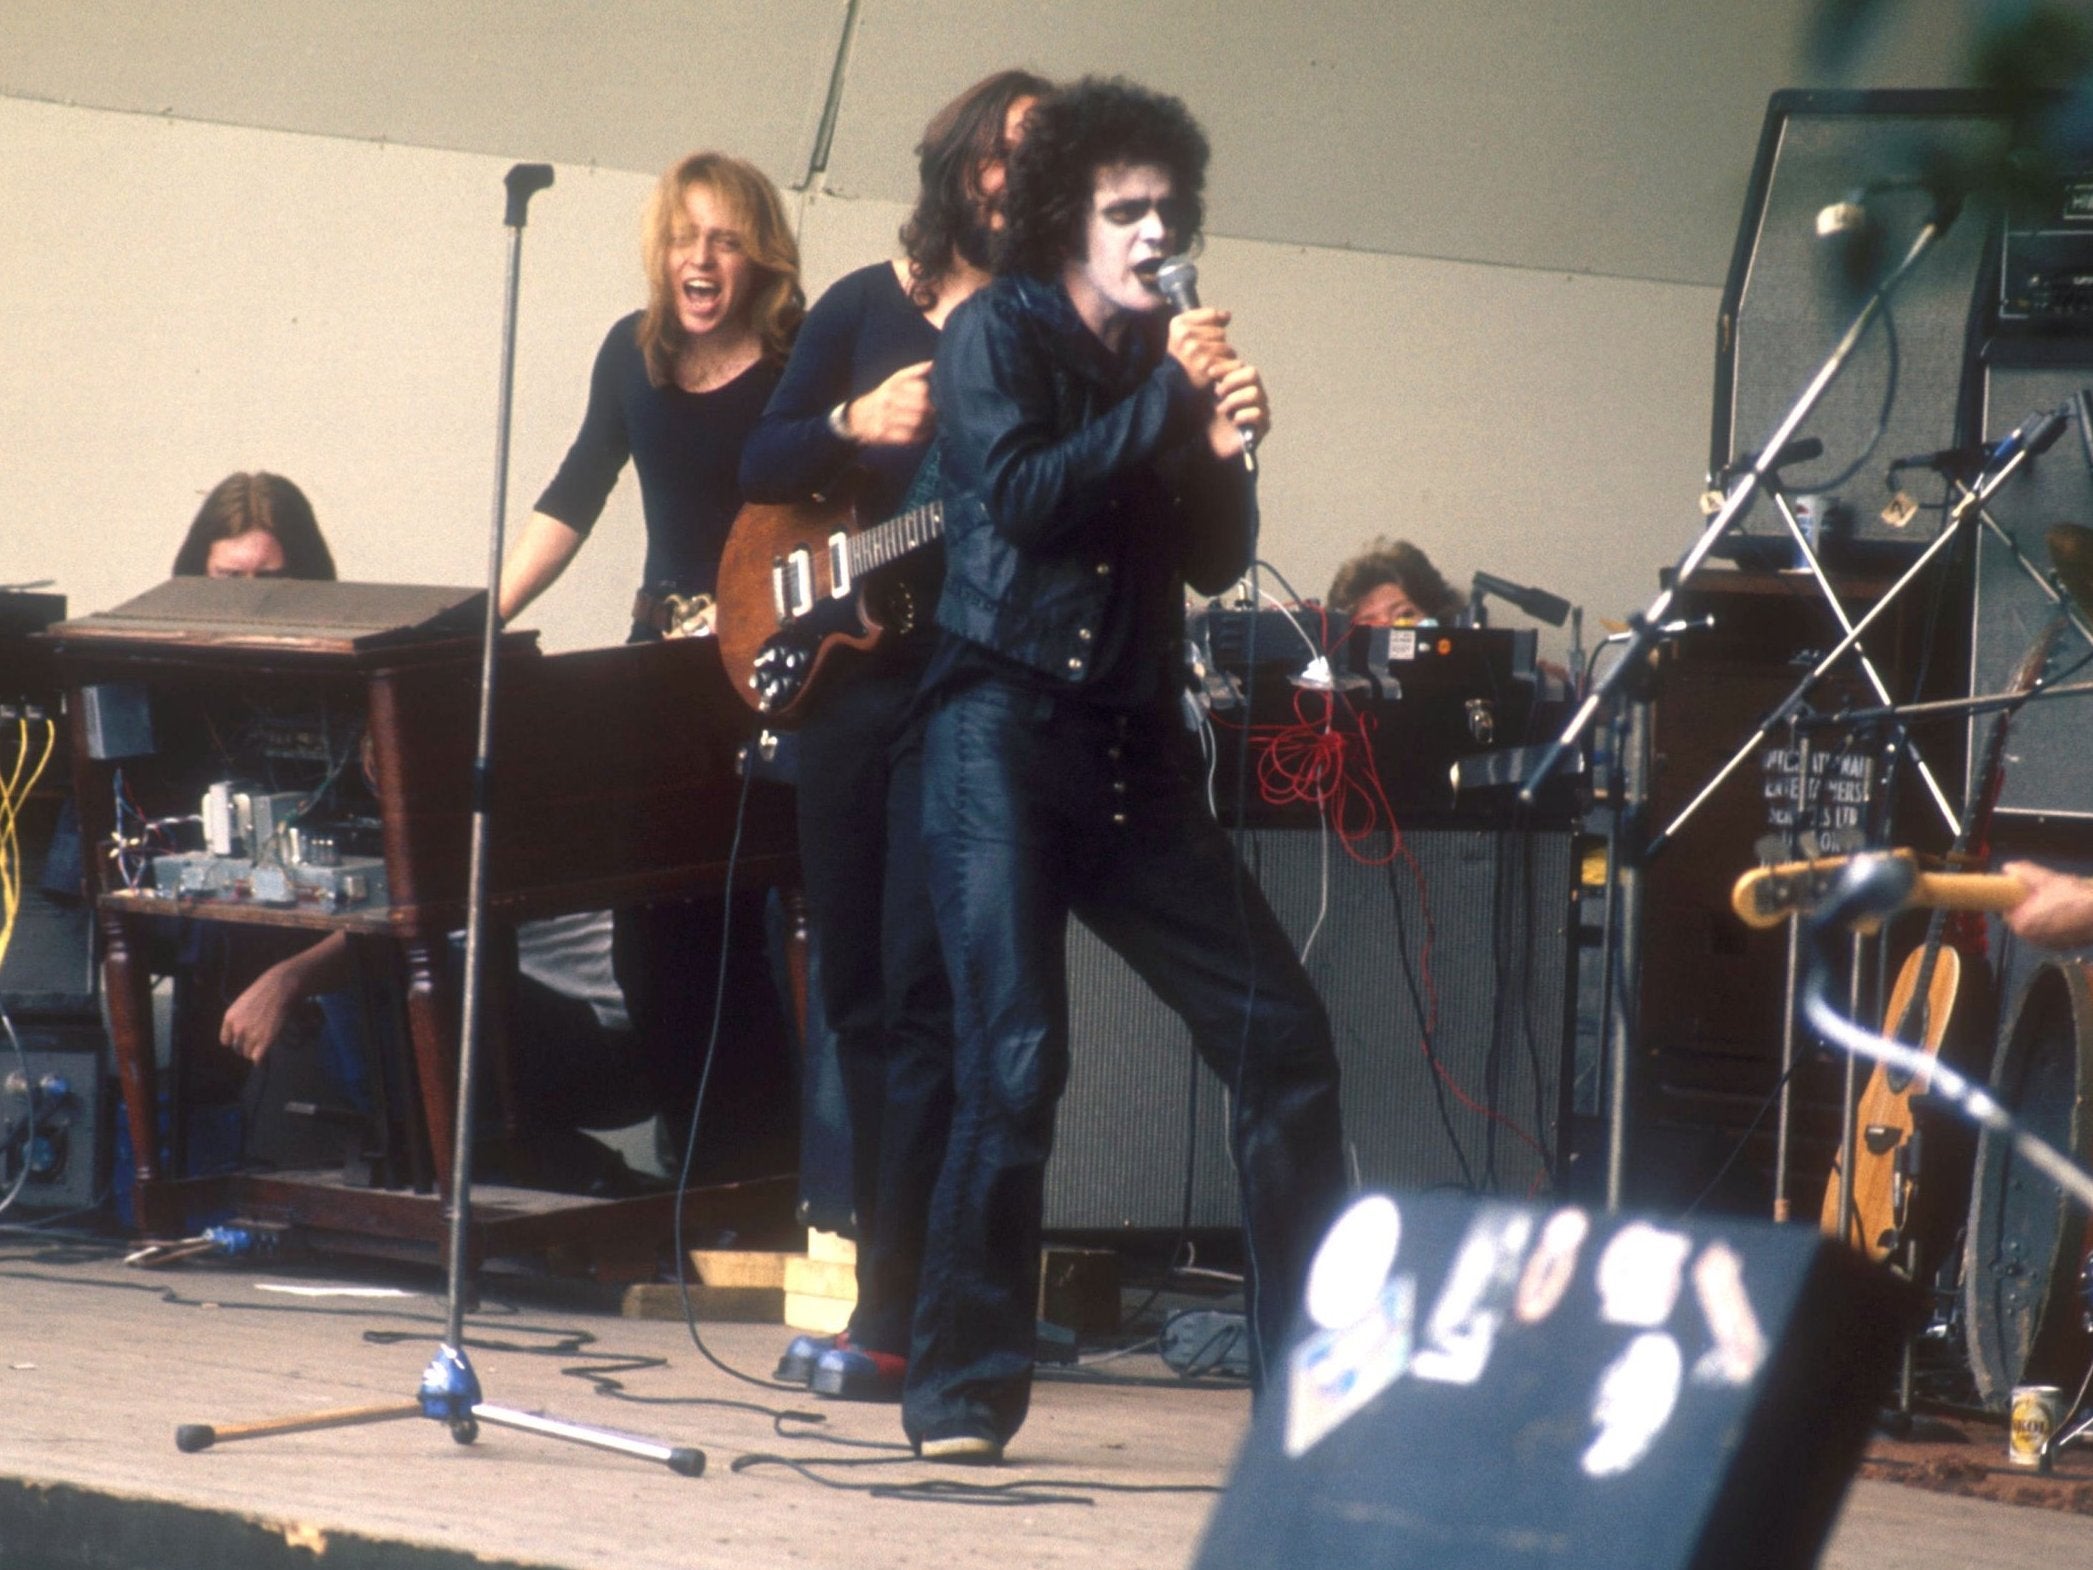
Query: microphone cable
x: 690, y: 1146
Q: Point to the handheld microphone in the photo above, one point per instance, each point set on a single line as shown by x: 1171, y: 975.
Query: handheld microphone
x: 1178, y: 281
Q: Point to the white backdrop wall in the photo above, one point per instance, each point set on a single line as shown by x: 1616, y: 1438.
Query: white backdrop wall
x: 1476, y: 247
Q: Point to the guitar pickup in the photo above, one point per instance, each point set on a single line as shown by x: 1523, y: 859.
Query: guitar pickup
x: 792, y: 584
x: 839, y: 580
x: 1881, y: 1139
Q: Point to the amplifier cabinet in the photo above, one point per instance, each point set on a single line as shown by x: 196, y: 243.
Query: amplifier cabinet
x: 1791, y: 293
x: 2046, y: 774
x: 1476, y: 938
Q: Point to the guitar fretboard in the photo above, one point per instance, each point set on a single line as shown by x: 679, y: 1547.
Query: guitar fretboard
x: 873, y: 548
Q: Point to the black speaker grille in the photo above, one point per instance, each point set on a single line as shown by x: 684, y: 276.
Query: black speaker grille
x: 1499, y: 944
x: 1792, y: 299
x: 2046, y: 770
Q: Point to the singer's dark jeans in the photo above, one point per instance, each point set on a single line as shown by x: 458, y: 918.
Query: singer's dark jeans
x: 1037, y: 807
x: 882, y: 979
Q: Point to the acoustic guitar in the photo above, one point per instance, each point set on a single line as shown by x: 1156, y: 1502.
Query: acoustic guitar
x: 1954, y: 1010
x: 1941, y: 996
x: 801, y: 583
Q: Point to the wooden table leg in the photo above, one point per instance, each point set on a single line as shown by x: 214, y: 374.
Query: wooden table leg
x: 128, y: 986
x: 429, y: 1017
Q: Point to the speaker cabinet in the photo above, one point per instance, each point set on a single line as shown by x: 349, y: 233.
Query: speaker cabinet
x: 1791, y: 295
x: 1713, y: 990
x: 2026, y: 1245
x: 1490, y: 1386
x: 1448, y: 992
x: 2046, y: 773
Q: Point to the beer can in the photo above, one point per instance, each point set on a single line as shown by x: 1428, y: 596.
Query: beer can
x: 2036, y: 1412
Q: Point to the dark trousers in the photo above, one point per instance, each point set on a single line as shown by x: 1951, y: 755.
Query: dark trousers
x: 882, y: 979
x: 1037, y: 808
x: 667, y: 960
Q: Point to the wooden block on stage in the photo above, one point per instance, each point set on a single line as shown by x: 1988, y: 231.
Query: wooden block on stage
x: 739, y: 1267
x: 825, y: 1316
x: 748, y: 1305
x: 809, y: 1277
x: 821, y: 1286
x: 831, y: 1246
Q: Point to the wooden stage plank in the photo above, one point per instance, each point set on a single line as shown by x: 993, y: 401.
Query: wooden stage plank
x: 101, y: 1364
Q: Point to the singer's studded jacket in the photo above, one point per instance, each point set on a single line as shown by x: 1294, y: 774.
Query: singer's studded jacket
x: 1081, y: 497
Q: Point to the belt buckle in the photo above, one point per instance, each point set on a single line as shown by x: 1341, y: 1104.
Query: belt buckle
x: 687, y: 615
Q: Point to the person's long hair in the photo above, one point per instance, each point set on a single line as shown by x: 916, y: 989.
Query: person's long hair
x: 241, y: 503
x: 960, y: 140
x: 746, y: 192
x: 1070, y: 137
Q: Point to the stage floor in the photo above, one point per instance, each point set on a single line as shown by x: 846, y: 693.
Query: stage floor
x: 102, y: 1363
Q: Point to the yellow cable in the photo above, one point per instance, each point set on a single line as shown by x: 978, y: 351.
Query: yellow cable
x: 12, y: 795
x: 10, y: 883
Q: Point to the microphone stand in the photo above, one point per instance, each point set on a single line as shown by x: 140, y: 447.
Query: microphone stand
x: 450, y: 1390
x: 1627, y: 858
x: 2042, y: 580
x: 1973, y: 498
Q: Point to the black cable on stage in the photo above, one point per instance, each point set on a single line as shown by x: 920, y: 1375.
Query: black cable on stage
x: 1291, y: 592
x: 1242, y: 911
x: 599, y: 1371
x: 1892, y: 361
x: 1530, y: 918
x: 942, y: 1490
x: 690, y: 1146
x: 1743, y: 1139
x: 1425, y: 1031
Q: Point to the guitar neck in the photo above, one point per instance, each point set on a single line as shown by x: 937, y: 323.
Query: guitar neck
x: 873, y: 548
x: 1992, y: 891
x: 1767, y: 896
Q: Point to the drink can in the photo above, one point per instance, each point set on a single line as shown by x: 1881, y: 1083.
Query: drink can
x: 2037, y: 1409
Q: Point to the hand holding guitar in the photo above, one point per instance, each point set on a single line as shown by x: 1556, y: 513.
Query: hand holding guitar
x: 2058, y: 909
x: 896, y: 412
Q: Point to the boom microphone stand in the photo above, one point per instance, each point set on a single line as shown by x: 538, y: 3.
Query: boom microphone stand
x: 450, y: 1391
x: 1645, y: 634
x: 2034, y: 436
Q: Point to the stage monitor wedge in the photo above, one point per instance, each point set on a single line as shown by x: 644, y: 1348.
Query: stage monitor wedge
x: 1792, y: 292
x: 1494, y: 1386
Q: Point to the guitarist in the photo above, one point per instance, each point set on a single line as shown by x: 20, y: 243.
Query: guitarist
x: 675, y: 390
x: 854, y: 409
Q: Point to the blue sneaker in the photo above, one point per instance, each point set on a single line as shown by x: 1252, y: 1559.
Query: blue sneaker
x: 796, y: 1367
x: 849, y: 1373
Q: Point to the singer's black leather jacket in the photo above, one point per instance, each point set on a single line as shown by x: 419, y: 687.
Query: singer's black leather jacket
x: 1081, y: 494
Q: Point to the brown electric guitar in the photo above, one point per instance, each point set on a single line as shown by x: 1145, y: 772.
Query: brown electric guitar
x: 802, y: 582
